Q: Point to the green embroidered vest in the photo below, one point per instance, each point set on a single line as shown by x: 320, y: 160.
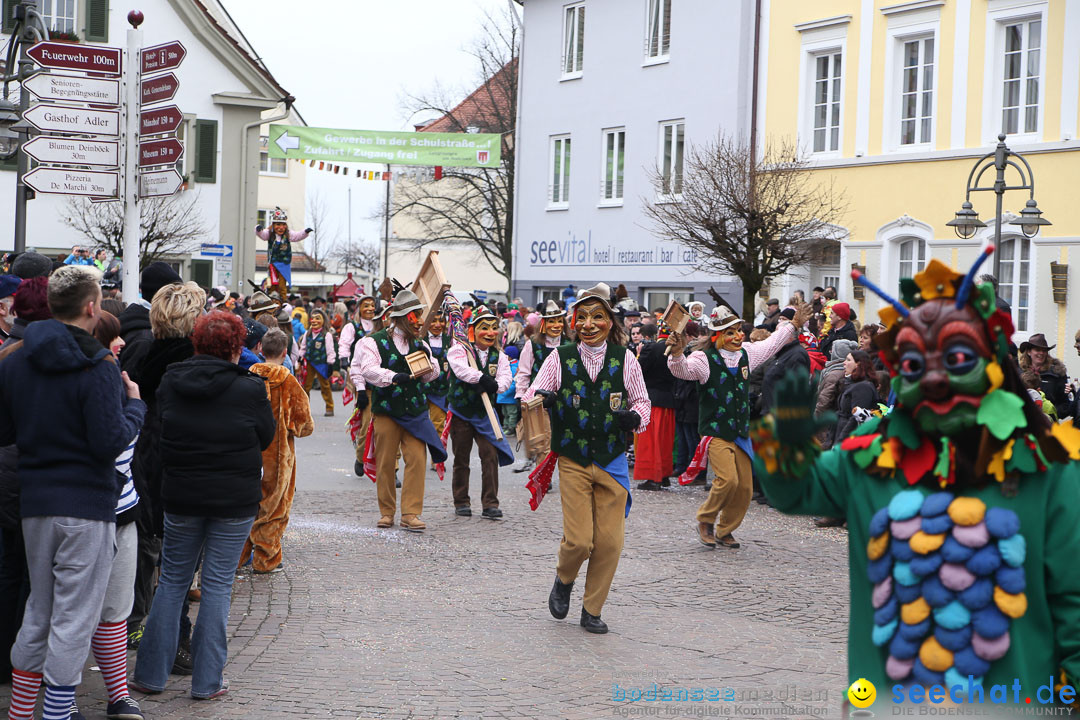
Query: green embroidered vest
x: 441, y: 385
x: 315, y: 349
x: 280, y: 252
x: 464, y: 397
x: 358, y: 332
x: 396, y: 400
x: 724, y: 401
x: 583, y: 426
x: 540, y: 353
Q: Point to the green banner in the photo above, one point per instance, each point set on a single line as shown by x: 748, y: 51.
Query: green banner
x: 376, y: 146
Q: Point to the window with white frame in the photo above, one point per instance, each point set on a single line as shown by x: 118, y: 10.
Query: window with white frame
x: 614, y: 164
x: 917, y: 92
x: 559, y: 195
x: 672, y: 143
x: 543, y: 294
x: 1013, y: 265
x: 262, y: 217
x: 912, y: 255
x: 269, y: 165
x: 658, y: 29
x: 573, y: 40
x: 832, y: 281
x: 660, y: 298
x: 59, y: 15
x: 825, y: 118
x: 1021, y: 75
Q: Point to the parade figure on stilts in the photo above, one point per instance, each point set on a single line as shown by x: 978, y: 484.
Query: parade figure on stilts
x: 469, y: 419
x: 362, y: 325
x: 400, y: 419
x: 279, y: 249
x: 596, y: 394
x: 961, y: 503
x: 723, y: 367
x: 318, y: 352
x: 550, y: 334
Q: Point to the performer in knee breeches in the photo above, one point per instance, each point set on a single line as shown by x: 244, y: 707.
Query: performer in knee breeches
x: 596, y: 394
x: 550, y: 334
x: 317, y: 347
x: 279, y: 249
x: 399, y: 408
x: 469, y: 420
x: 723, y: 369
x: 437, y: 390
x: 354, y: 331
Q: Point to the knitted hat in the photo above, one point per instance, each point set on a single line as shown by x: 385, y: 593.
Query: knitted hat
x: 255, y: 332
x: 31, y: 265
x: 279, y: 215
x: 8, y: 285
x: 32, y: 300
x: 788, y: 312
x: 842, y: 310
x: 155, y: 276
x: 512, y: 352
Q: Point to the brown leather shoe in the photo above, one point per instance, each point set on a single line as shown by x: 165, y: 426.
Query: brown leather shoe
x: 194, y: 595
x: 412, y: 523
x: 705, y: 535
x: 385, y: 521
x: 728, y: 541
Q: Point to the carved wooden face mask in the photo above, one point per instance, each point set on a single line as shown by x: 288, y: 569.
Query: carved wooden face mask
x: 592, y: 323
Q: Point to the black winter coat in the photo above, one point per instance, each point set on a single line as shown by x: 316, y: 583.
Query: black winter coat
x: 859, y: 394
x: 137, y: 335
x: 847, y: 332
x: 215, y: 422
x: 792, y: 356
x: 658, y: 378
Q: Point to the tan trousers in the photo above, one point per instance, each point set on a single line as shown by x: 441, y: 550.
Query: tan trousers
x: 389, y: 438
x: 594, y: 516
x: 535, y: 428
x: 732, y: 488
x: 438, y: 417
x: 365, y: 421
x: 324, y: 388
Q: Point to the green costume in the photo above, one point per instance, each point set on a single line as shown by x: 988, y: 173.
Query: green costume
x: 441, y: 385
x: 583, y: 426
x: 397, y: 400
x: 724, y: 401
x: 540, y: 353
x: 464, y: 398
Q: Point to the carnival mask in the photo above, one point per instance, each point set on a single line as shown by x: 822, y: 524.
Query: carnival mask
x: 553, y: 327
x: 592, y: 323
x: 438, y: 325
x: 486, y: 332
x: 367, y: 309
x: 412, y: 324
x: 316, y: 321
x: 730, y: 339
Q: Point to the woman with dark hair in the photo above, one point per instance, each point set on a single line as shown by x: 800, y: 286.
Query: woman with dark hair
x: 858, y: 390
x: 215, y: 422
x: 107, y: 332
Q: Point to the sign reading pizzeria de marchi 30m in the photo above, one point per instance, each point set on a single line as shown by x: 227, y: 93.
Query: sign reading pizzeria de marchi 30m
x: 377, y: 146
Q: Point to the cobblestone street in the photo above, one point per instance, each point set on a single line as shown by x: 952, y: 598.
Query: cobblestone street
x: 368, y: 623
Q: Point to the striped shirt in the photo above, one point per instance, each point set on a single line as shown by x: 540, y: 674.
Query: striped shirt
x: 128, y: 497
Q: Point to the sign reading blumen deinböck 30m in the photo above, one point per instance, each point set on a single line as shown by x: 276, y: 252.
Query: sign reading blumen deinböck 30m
x: 395, y: 148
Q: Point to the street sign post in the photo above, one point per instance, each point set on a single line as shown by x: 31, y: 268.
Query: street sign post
x: 73, y: 151
x: 63, y: 181
x: 87, y: 58
x: 159, y: 152
x: 74, y: 88
x: 65, y: 119
x: 216, y: 250
x: 163, y: 57
x: 160, y: 120
x: 158, y: 183
x: 159, y: 88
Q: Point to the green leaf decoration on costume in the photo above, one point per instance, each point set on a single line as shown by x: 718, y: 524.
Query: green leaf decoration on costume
x: 1001, y: 412
x: 941, y: 470
x: 909, y: 291
x: 579, y: 384
x: 984, y: 300
x: 1023, y: 460
x: 864, y: 457
x: 1038, y: 451
x: 869, y: 427
x: 901, y: 426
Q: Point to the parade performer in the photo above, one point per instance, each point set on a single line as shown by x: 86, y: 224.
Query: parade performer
x: 550, y: 334
x: 279, y: 248
x: 961, y: 503
x: 723, y: 368
x: 318, y: 352
x: 469, y: 420
x: 400, y: 416
x: 361, y: 326
x: 596, y: 395
x: 437, y: 390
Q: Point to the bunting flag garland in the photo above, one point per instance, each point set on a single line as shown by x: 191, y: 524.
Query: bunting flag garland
x: 411, y: 174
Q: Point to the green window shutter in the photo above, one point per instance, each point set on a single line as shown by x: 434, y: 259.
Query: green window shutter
x: 9, y: 16
x: 206, y: 151
x: 97, y: 20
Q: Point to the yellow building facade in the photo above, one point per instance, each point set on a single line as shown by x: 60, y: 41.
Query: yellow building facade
x: 896, y: 102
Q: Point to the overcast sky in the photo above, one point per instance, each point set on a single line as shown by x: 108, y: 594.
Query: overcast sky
x: 349, y: 64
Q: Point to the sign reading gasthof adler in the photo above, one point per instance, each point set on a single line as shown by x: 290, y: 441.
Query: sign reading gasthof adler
x: 377, y: 146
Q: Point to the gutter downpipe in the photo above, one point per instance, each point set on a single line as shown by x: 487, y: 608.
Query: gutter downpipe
x: 242, y: 223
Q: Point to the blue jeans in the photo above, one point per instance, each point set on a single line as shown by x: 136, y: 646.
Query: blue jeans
x: 220, y: 540
x: 686, y: 442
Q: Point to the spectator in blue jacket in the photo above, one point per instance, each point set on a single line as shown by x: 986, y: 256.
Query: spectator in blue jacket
x: 79, y: 256
x: 66, y: 406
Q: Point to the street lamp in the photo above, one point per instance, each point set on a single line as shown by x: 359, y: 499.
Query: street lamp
x: 967, y: 222
x: 9, y: 138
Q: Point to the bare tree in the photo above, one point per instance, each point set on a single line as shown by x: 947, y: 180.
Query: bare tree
x: 167, y: 226
x: 320, y: 243
x: 472, y: 207
x: 754, y: 219
x: 358, y: 254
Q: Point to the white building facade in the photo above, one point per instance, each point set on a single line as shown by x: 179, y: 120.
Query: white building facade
x: 612, y: 91
x: 223, y: 93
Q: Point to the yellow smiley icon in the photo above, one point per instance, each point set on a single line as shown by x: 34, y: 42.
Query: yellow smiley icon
x: 862, y: 693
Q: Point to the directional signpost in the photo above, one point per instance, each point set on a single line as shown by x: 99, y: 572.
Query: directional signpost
x: 161, y: 120
x: 65, y: 181
x: 216, y: 250
x: 74, y: 88
x: 67, y: 119
x: 159, y: 88
x: 72, y: 151
x: 86, y: 58
x: 163, y: 57
x: 158, y: 183
x: 159, y: 152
